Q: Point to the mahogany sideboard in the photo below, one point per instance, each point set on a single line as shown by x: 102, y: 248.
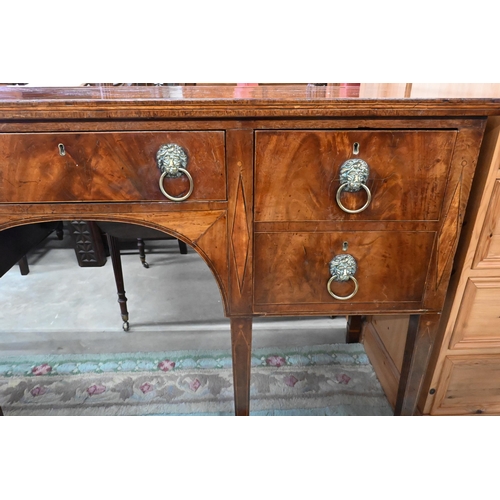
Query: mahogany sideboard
x: 300, y: 201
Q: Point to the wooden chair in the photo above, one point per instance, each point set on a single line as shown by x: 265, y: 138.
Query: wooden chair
x: 116, y: 232
x: 17, y: 241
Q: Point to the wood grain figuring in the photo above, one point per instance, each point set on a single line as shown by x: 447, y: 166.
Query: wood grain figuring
x: 173, y: 223
x: 297, y: 174
x: 212, y: 246
x: 344, y: 225
x: 479, y: 203
x: 240, y: 218
x: 294, y: 267
x: 469, y: 386
x: 478, y: 321
x: 107, y: 166
x: 448, y: 235
x: 464, y: 160
x: 11, y: 214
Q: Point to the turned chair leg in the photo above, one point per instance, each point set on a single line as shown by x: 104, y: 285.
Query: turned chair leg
x: 183, y: 247
x: 23, y: 265
x: 60, y: 231
x: 114, y: 251
x: 142, y: 252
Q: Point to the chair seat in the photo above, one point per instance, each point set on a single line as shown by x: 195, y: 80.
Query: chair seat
x: 132, y: 231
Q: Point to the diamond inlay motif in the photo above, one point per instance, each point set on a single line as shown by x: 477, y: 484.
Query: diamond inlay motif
x: 240, y: 237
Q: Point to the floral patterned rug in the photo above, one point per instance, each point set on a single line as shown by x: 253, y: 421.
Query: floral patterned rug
x: 322, y: 380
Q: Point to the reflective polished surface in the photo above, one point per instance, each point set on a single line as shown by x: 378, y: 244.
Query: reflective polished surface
x: 256, y: 93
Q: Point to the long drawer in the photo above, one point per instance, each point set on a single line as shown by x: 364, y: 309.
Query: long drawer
x: 108, y: 166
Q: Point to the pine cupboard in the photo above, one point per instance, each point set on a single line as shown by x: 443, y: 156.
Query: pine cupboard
x: 464, y: 370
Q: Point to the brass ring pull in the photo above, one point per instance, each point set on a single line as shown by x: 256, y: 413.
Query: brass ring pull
x: 172, y: 161
x: 350, y: 296
x: 353, y: 176
x: 178, y: 198
x: 364, y: 207
x: 342, y: 268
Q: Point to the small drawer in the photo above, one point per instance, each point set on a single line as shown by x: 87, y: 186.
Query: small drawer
x: 298, y: 174
x: 293, y: 269
x: 108, y: 166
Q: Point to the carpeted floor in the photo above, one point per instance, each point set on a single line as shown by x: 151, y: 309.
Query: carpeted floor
x: 63, y: 351
x: 321, y: 380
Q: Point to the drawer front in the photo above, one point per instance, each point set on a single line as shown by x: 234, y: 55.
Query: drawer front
x: 106, y: 166
x: 293, y: 268
x: 469, y: 385
x: 298, y: 174
x: 478, y: 321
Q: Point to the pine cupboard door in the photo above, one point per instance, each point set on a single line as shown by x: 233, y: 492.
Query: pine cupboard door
x: 488, y: 250
x: 466, y: 378
x: 469, y: 385
x: 478, y: 320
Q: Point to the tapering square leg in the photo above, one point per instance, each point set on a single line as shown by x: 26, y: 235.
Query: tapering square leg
x: 241, y: 342
x: 354, y: 326
x: 422, y: 331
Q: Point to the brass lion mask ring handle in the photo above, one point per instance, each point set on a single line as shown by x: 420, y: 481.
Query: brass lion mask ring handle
x: 353, y: 176
x: 342, y: 268
x: 172, y: 161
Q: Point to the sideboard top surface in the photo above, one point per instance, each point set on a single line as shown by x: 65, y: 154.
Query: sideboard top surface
x: 20, y: 103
